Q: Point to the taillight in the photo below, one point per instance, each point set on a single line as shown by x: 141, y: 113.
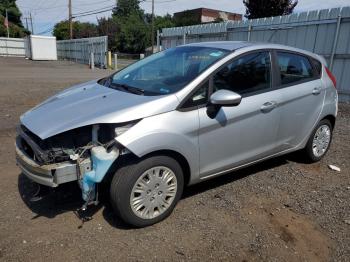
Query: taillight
x: 332, y: 77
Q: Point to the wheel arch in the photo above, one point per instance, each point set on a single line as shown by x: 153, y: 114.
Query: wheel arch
x: 185, y: 166
x: 331, y: 119
x: 131, y: 158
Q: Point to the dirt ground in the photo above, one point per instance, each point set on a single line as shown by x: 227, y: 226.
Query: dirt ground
x: 279, y: 210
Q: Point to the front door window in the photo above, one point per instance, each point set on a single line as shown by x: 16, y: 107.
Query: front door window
x: 246, y: 75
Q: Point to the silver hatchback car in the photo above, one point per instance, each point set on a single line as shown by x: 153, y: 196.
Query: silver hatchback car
x: 177, y: 118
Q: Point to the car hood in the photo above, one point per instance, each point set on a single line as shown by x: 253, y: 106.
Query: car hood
x: 91, y: 103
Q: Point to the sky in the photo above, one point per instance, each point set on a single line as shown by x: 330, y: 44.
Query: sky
x: 46, y: 13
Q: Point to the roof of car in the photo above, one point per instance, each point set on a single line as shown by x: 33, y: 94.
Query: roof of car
x: 228, y: 45
x: 234, y: 45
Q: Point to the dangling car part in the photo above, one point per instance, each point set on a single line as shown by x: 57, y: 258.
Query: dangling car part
x: 101, y: 162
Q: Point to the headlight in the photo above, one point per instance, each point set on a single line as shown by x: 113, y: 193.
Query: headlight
x: 122, y: 129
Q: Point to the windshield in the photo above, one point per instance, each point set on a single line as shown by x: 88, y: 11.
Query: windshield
x: 166, y: 72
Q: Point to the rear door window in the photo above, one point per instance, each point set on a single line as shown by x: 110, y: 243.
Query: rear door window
x: 294, y: 68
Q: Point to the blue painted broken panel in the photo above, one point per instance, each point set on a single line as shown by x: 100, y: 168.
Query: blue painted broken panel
x: 101, y: 162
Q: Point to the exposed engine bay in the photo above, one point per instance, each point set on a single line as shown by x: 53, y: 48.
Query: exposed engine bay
x: 92, y: 148
x: 62, y: 147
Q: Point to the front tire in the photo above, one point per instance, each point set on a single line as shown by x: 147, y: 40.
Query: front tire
x: 146, y: 191
x: 319, y: 141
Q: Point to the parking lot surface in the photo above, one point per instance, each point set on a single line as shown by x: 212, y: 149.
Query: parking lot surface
x: 279, y: 210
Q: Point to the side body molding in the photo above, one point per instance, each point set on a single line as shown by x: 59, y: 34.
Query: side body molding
x: 175, y: 131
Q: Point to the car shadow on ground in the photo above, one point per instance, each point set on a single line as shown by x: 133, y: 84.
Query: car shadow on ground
x: 67, y: 197
x: 233, y: 176
x: 50, y: 202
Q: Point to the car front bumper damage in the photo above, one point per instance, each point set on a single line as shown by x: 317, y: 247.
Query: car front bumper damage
x: 88, y: 171
x: 50, y: 175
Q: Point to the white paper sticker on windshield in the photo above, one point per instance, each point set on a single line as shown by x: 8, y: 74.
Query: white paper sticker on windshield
x: 216, y: 54
x: 163, y: 90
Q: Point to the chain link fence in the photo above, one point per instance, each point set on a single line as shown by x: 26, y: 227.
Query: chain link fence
x: 79, y: 50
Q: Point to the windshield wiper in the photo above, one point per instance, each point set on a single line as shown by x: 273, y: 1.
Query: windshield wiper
x: 130, y: 89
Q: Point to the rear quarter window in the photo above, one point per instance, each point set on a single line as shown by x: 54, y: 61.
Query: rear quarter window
x: 318, y: 67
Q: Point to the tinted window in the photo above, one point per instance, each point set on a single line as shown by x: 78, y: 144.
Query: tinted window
x: 294, y: 68
x: 200, y: 97
x: 247, y: 74
x: 317, y: 66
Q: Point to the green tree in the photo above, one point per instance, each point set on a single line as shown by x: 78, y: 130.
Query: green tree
x: 160, y: 22
x: 84, y: 30
x: 14, y: 16
x: 128, y: 30
x: 61, y: 30
x: 133, y: 36
x: 268, y: 8
x: 124, y: 8
x: 80, y: 30
x: 109, y: 27
x: 134, y: 33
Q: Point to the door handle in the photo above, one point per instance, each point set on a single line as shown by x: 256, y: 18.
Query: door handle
x: 316, y: 91
x: 268, y: 106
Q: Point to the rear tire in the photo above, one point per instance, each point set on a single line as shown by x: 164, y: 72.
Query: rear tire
x: 319, y: 141
x: 145, y: 191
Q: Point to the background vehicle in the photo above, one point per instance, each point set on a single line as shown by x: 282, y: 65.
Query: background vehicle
x: 179, y: 117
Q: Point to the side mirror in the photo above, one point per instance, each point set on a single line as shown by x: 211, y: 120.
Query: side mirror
x: 225, y: 97
x: 222, y: 98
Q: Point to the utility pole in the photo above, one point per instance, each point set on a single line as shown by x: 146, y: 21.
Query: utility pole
x: 31, y: 23
x: 26, y: 18
x: 7, y: 24
x: 70, y: 19
x: 152, y: 35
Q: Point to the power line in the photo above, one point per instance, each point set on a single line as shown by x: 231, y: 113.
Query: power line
x: 103, y: 11
x: 95, y: 10
x: 30, y: 18
x: 95, y: 3
x: 39, y: 3
x: 61, y: 6
x: 91, y: 4
x: 38, y: 7
x: 47, y: 30
x: 44, y: 8
x: 50, y: 27
x: 110, y: 8
x: 85, y: 13
x: 49, y: 24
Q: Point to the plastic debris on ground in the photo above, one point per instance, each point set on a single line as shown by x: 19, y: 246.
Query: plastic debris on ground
x: 335, y: 168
